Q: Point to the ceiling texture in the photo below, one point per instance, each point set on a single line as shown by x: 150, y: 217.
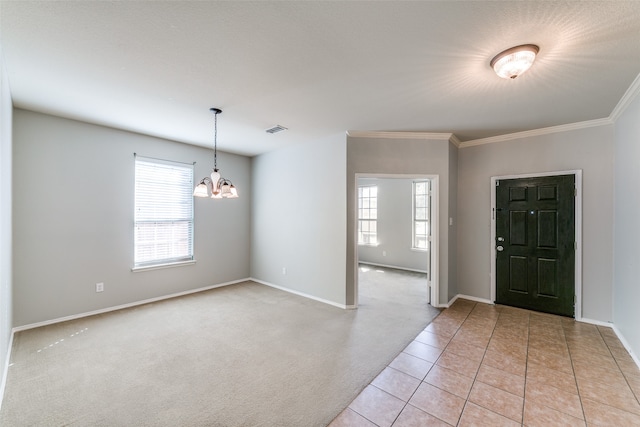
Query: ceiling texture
x: 317, y: 68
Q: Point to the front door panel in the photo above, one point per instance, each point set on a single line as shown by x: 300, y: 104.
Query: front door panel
x: 535, y: 235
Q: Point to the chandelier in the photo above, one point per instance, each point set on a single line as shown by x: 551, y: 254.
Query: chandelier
x: 215, y: 186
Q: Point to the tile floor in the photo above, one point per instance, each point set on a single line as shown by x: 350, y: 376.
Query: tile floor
x: 483, y: 365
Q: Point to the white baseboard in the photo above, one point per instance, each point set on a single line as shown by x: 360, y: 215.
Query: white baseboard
x: 395, y: 267
x: 467, y: 297
x: 302, y: 294
x: 626, y: 345
x: 164, y: 297
x: 120, y: 307
x: 5, y: 370
x: 621, y: 337
x: 476, y: 299
x: 595, y: 322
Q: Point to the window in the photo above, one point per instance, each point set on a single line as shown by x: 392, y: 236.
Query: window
x: 163, y: 229
x: 367, y: 215
x: 421, y: 215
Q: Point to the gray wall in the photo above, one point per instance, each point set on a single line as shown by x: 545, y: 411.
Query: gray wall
x: 73, y: 219
x: 6, y: 112
x: 626, y: 288
x: 395, y: 227
x: 298, y: 218
x: 589, y: 149
x: 380, y: 155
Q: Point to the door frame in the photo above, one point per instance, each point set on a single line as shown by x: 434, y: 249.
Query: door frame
x: 577, y: 173
x: 433, y: 281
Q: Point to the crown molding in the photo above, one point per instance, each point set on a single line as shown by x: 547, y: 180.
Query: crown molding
x: 627, y: 98
x: 404, y: 135
x: 455, y: 141
x: 538, y: 132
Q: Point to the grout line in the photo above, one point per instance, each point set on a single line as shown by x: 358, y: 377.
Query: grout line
x: 466, y: 401
x: 473, y: 383
x: 575, y: 376
x: 425, y: 375
x: 619, y: 368
x: 526, y: 366
x: 432, y: 366
x: 475, y: 379
x: 421, y: 380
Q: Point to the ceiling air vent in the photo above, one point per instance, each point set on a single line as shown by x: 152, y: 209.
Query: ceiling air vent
x: 276, y: 129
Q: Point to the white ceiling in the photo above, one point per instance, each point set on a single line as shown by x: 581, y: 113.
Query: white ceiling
x: 318, y: 68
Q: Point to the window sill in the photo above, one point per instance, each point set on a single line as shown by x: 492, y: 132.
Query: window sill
x: 371, y: 245
x: 419, y: 250
x: 160, y: 266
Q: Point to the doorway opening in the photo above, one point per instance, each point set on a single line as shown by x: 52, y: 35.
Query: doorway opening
x: 396, y: 226
x: 536, y: 241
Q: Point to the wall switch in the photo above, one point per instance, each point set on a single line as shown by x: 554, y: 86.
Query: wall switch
x: 384, y: 253
x: 284, y: 270
x: 99, y: 287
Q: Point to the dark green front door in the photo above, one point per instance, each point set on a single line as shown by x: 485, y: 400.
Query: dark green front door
x: 535, y: 242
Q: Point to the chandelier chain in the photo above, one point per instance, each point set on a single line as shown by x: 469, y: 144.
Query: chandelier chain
x: 215, y: 141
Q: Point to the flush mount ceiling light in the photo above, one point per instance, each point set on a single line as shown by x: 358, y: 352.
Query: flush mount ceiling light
x: 510, y: 63
x: 215, y: 186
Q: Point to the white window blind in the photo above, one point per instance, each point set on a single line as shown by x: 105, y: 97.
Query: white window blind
x: 163, y: 229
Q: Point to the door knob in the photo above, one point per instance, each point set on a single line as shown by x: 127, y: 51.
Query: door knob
x: 500, y: 239
x: 500, y: 248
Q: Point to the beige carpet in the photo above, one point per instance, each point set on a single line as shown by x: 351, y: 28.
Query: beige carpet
x: 242, y: 355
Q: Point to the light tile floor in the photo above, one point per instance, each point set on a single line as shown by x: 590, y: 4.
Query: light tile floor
x: 483, y: 365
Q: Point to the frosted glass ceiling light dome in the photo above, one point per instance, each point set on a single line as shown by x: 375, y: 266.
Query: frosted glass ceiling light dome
x: 510, y: 63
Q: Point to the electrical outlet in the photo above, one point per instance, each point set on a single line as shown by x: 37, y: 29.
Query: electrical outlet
x: 99, y: 287
x: 284, y: 270
x: 384, y: 253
